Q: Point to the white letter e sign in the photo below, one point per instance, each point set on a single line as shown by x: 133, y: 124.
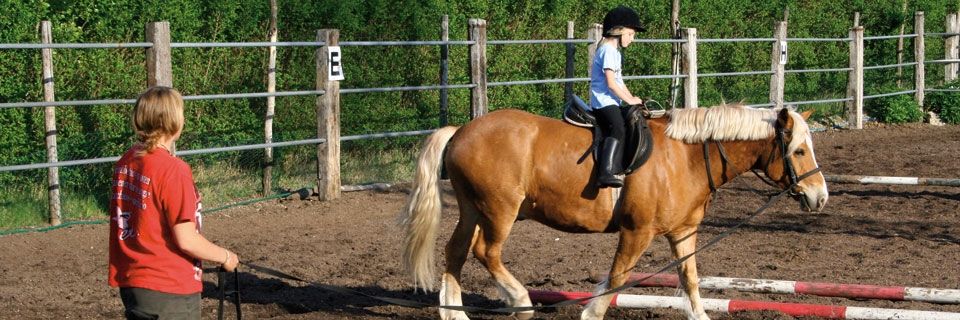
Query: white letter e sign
x: 335, y: 68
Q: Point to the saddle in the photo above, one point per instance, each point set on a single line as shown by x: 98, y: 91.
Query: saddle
x: 639, y: 144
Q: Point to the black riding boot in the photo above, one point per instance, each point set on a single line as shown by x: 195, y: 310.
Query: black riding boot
x: 609, y: 161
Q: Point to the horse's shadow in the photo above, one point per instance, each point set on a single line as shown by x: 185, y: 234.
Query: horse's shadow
x: 294, y: 298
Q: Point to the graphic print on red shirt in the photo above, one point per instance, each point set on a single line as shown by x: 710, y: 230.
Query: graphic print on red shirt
x: 149, y: 195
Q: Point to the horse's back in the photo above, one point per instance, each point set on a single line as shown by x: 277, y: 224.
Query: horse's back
x: 514, y: 156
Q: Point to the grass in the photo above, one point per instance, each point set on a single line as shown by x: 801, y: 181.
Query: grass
x: 229, y: 180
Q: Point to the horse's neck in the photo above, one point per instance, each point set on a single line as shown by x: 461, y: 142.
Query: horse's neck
x: 741, y: 157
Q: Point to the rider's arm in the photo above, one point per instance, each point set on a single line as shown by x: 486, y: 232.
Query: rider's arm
x: 621, y: 91
x: 197, y: 246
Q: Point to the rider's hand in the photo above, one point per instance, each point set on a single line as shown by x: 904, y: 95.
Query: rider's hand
x: 633, y: 101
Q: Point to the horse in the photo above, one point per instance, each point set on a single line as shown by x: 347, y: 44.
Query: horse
x: 509, y: 165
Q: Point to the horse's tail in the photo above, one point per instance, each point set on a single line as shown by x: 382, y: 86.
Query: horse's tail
x: 421, y: 218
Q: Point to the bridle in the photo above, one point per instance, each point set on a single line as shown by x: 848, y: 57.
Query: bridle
x: 788, y: 169
x: 791, y: 173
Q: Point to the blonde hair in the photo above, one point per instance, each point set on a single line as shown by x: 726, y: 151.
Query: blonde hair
x: 157, y: 114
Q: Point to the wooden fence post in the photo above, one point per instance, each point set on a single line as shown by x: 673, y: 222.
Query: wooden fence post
x: 568, y: 68
x: 777, y: 79
x: 690, y: 68
x: 50, y: 125
x: 328, y: 120
x: 918, y: 47
x: 594, y: 34
x: 855, y: 79
x: 159, y: 68
x: 950, y: 48
x: 159, y: 65
x: 478, y: 68
x: 273, y: 35
x: 444, y: 70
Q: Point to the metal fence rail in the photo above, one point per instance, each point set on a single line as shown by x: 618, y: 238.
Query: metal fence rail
x: 818, y: 70
x: 245, y: 44
x: 889, y: 66
x: 402, y: 43
x: 246, y: 147
x: 417, y: 88
x: 75, y: 45
x: 818, y: 39
x: 889, y: 94
x: 731, y: 74
x: 132, y: 101
x: 889, y: 37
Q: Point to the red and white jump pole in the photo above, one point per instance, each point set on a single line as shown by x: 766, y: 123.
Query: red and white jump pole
x: 857, y: 291
x: 892, y: 180
x: 734, y: 306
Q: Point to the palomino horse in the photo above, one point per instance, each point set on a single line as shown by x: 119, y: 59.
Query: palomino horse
x: 511, y: 163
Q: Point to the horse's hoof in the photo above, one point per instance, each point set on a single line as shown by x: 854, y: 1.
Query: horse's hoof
x: 526, y: 315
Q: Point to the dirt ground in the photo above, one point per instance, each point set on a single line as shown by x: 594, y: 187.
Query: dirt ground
x: 880, y: 235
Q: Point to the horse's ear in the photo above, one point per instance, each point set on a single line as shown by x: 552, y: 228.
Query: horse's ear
x: 784, y: 120
x: 806, y: 114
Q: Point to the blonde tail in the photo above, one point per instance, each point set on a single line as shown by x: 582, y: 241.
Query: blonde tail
x: 421, y: 218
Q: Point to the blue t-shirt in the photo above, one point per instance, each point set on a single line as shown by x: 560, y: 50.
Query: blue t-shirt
x: 607, y: 57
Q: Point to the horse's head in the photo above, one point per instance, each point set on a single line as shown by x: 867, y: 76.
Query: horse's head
x: 791, y: 161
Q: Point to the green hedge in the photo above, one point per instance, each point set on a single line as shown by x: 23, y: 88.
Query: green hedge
x: 945, y: 103
x: 102, y: 131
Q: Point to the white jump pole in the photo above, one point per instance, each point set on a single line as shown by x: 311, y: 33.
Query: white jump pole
x: 734, y: 306
x: 892, y: 180
x: 856, y: 291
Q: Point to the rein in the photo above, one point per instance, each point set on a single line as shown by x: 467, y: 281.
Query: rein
x: 222, y: 289
x: 420, y: 305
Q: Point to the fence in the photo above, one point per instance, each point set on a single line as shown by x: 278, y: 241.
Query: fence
x: 158, y: 47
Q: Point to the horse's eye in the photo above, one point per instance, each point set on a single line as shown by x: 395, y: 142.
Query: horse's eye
x: 799, y: 152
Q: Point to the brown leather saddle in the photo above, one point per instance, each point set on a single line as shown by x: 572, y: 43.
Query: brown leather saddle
x: 639, y: 144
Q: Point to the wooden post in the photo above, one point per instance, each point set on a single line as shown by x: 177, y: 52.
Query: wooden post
x: 568, y: 69
x: 594, y: 34
x: 950, y: 48
x: 328, y: 120
x: 918, y: 51
x: 444, y: 70
x: 159, y: 65
x: 777, y: 79
x: 855, y: 79
x: 478, y: 68
x: 50, y: 125
x: 273, y: 35
x: 159, y: 68
x: 690, y: 68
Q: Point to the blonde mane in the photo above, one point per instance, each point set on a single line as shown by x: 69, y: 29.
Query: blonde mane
x: 727, y: 122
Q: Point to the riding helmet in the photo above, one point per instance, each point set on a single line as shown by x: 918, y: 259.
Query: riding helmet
x: 621, y: 16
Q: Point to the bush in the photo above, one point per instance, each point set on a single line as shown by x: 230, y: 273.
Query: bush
x: 895, y: 109
x: 945, y: 104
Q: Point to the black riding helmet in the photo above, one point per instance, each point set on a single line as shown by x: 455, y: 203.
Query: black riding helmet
x: 621, y: 16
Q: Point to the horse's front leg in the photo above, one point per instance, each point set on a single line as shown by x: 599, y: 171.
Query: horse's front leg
x: 684, y: 242
x: 633, y: 242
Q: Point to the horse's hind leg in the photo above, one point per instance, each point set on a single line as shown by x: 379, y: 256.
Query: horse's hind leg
x: 494, y: 229
x: 456, y: 254
x: 684, y: 242
x: 633, y: 242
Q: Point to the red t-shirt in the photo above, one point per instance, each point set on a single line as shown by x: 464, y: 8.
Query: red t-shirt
x: 149, y: 195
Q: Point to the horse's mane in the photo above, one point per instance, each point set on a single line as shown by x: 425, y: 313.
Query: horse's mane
x: 728, y: 122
